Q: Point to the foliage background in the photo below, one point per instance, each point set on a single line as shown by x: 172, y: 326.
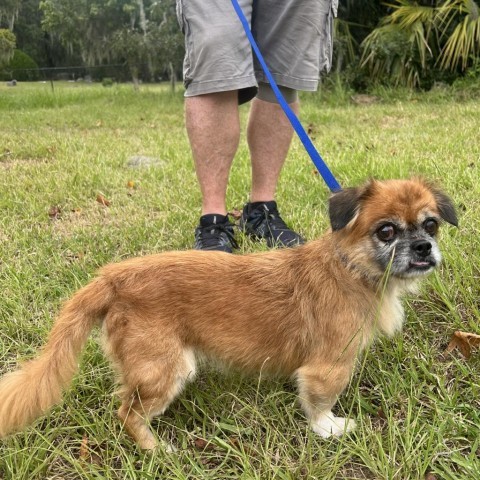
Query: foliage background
x: 414, y: 43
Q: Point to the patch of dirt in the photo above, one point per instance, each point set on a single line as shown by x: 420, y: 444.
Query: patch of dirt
x: 71, y: 221
x: 355, y: 471
x: 7, y: 163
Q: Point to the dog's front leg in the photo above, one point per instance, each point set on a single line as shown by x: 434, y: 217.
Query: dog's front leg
x: 319, y: 386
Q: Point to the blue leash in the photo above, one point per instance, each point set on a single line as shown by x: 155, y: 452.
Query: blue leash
x: 322, y: 167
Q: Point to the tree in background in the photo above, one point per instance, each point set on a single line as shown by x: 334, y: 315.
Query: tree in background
x: 132, y: 47
x: 156, y: 44
x: 419, y: 42
x: 356, y: 19
x: 462, y: 47
x: 20, y: 67
x: 404, y: 42
x: 136, y: 32
x: 7, y: 46
x: 86, y: 26
x: 167, y: 39
x: 9, y: 12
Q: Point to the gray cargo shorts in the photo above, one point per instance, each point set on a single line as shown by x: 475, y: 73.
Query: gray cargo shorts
x: 294, y: 36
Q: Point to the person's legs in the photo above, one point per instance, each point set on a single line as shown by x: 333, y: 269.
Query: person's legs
x: 218, y: 74
x: 269, y: 135
x: 213, y: 130
x: 295, y: 38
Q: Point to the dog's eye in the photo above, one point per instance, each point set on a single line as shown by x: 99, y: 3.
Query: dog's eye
x: 386, y: 232
x: 430, y: 226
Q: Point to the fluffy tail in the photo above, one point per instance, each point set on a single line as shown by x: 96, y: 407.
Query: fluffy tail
x: 29, y: 392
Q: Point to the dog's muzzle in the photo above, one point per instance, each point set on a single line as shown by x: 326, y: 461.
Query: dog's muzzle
x: 422, y: 255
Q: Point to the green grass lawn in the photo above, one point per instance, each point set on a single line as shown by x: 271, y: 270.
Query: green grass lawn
x: 417, y: 409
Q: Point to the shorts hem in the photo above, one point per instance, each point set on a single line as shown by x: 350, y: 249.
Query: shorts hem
x: 224, y: 85
x: 289, y: 81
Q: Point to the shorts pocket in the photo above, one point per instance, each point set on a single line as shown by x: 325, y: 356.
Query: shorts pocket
x: 183, y: 23
x: 180, y: 18
x: 326, y: 37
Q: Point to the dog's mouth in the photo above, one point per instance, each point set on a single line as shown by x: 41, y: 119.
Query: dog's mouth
x: 417, y: 268
x: 421, y: 265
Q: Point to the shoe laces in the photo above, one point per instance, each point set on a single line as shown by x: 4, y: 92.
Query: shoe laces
x: 212, y: 234
x: 271, y: 216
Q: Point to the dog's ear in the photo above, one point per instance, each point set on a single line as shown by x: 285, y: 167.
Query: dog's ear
x: 445, y: 207
x: 342, y: 207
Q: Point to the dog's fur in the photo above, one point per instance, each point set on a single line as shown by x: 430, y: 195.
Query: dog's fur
x: 304, y: 312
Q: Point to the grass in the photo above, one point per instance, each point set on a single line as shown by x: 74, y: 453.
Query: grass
x: 417, y: 409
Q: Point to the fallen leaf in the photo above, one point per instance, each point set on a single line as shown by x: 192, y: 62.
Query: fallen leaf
x: 381, y: 414
x: 235, y: 443
x: 131, y: 184
x: 235, y: 214
x: 85, y: 454
x: 54, y: 212
x: 83, y: 451
x: 464, y: 342
x: 102, y: 200
x: 203, y: 444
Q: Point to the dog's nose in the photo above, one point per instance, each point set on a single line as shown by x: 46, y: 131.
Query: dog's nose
x: 422, y: 247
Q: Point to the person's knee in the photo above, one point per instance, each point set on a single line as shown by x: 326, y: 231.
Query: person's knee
x: 266, y: 93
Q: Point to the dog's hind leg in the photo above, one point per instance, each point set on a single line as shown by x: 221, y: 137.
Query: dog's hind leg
x: 319, y: 387
x: 149, y: 387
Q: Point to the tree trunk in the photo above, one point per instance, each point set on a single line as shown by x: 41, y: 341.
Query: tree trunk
x: 173, y: 76
x: 136, y: 82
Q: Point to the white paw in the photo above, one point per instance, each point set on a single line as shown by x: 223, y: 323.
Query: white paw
x: 327, y: 425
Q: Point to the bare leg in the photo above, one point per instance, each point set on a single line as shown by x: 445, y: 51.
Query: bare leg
x: 213, y: 128
x: 269, y: 136
x: 319, y: 387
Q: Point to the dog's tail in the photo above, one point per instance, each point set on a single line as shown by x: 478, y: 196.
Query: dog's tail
x: 27, y: 393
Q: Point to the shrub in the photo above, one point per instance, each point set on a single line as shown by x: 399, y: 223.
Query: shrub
x: 7, y: 45
x: 107, y: 82
x: 21, y: 67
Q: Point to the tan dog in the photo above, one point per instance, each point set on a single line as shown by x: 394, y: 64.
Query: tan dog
x: 304, y: 312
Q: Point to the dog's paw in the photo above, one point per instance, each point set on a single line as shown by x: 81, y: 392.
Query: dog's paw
x: 327, y: 425
x: 152, y: 445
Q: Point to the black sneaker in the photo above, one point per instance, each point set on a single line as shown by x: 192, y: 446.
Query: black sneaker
x: 262, y: 220
x: 215, y: 232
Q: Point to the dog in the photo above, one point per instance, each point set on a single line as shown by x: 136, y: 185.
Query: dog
x: 305, y: 312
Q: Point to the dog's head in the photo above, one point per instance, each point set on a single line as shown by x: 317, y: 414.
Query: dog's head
x: 391, y: 226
